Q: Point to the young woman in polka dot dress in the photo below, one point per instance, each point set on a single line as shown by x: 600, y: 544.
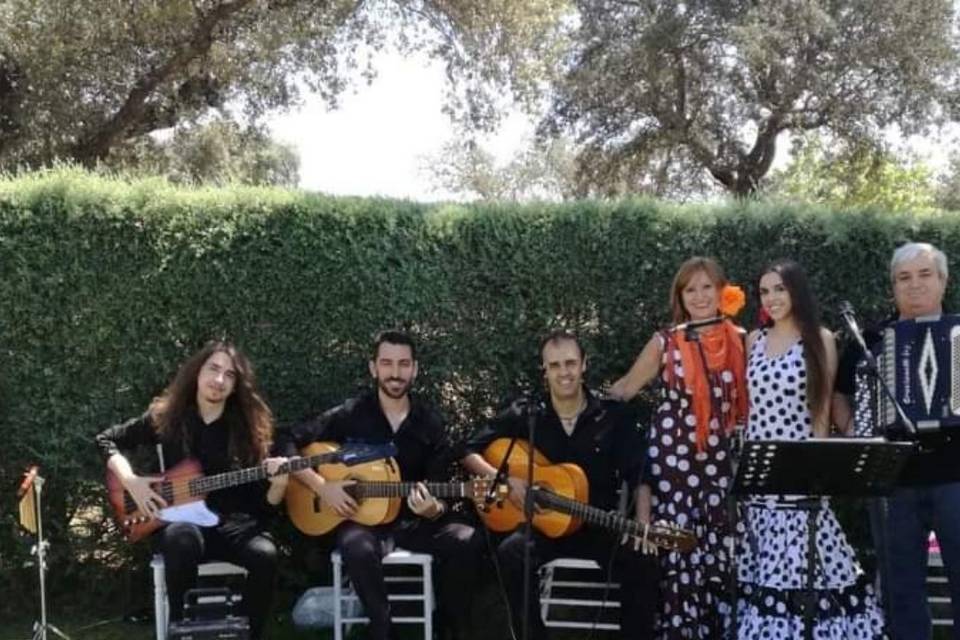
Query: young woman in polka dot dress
x: 702, y: 399
x: 790, y: 369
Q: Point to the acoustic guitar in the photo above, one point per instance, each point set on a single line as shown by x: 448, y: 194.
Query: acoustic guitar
x: 378, y: 490
x: 562, y: 493
x: 184, y: 487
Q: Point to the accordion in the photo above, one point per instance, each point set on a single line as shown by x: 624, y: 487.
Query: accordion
x: 919, y: 360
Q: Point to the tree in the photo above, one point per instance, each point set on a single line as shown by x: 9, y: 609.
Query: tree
x: 217, y: 152
x: 542, y: 171
x: 948, y: 185
x: 80, y: 79
x: 657, y: 89
x: 853, y: 175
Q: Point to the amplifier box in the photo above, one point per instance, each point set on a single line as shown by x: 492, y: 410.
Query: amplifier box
x: 208, y: 614
x: 225, y: 629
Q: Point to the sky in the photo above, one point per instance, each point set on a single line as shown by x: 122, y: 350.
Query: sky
x: 376, y: 141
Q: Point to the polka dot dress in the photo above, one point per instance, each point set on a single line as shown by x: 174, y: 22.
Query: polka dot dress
x: 772, y: 565
x: 690, y: 489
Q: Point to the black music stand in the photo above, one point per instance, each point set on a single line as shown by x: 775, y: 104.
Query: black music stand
x: 819, y: 467
x: 935, y: 460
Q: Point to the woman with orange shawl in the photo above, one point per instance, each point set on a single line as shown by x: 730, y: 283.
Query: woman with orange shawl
x: 702, y: 400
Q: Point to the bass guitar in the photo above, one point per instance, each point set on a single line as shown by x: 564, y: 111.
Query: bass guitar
x: 184, y: 487
x: 377, y: 488
x: 561, y: 492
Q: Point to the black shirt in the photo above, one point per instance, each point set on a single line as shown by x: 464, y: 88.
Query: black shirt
x: 606, y: 443
x: 208, y: 443
x: 851, y: 357
x: 422, y: 450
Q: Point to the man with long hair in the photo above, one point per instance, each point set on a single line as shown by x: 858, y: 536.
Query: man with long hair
x: 212, y: 411
x: 902, y: 522
x: 389, y: 412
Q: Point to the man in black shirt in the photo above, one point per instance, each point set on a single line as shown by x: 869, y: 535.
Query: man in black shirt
x: 213, y: 412
x: 901, y: 523
x: 389, y: 412
x: 599, y: 436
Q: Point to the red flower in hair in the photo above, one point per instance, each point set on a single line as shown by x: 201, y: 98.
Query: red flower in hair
x: 763, y: 318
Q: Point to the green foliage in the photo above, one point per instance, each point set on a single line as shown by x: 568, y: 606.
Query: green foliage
x: 106, y: 286
x: 687, y: 93
x: 851, y: 176
x: 218, y: 152
x: 79, y: 83
x: 542, y: 171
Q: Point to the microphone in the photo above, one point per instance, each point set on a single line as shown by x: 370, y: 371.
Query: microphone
x: 850, y: 319
x: 695, y: 324
x: 849, y: 316
x: 519, y: 408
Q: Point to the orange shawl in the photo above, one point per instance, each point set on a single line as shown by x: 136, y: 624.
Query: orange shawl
x: 723, y: 349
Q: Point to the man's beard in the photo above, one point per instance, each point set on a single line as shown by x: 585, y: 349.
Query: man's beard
x: 383, y: 384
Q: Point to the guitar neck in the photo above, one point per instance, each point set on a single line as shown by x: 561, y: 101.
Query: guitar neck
x: 365, y: 489
x: 588, y: 513
x: 206, y: 484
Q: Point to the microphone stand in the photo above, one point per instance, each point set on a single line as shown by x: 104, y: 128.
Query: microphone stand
x: 500, y: 477
x: 528, y: 509
x: 732, y: 586
x: 846, y: 313
x: 882, y: 505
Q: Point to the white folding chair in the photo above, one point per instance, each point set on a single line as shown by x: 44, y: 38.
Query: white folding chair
x: 577, y: 599
x: 344, y: 596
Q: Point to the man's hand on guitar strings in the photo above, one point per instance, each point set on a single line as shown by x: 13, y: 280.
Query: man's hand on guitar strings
x: 423, y: 504
x: 332, y: 493
x: 518, y: 491
x: 148, y: 501
x: 272, y: 465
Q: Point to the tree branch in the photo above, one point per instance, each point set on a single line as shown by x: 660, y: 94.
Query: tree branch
x: 131, y: 114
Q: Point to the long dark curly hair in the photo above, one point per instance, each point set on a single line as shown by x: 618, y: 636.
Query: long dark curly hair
x: 247, y: 415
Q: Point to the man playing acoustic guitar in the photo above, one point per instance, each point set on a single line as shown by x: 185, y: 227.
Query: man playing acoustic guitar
x: 598, y: 436
x: 213, y: 412
x: 389, y: 413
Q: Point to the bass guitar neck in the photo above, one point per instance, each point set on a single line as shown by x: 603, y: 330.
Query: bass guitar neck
x: 186, y: 483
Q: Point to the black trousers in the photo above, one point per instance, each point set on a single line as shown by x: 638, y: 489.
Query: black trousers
x: 456, y: 546
x: 636, y: 573
x: 184, y: 546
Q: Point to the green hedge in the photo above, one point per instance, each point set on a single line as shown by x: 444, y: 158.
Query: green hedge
x: 107, y: 285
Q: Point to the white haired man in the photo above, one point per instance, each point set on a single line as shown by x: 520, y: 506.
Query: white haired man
x: 901, y: 524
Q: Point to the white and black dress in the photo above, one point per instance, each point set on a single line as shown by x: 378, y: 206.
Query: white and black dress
x: 772, y: 567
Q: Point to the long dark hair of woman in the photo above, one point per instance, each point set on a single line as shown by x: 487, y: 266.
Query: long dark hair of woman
x: 806, y: 313
x: 247, y: 416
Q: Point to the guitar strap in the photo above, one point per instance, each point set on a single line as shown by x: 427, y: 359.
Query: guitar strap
x: 163, y: 466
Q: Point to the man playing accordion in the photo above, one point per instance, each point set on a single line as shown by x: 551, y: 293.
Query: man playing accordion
x: 901, y: 523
